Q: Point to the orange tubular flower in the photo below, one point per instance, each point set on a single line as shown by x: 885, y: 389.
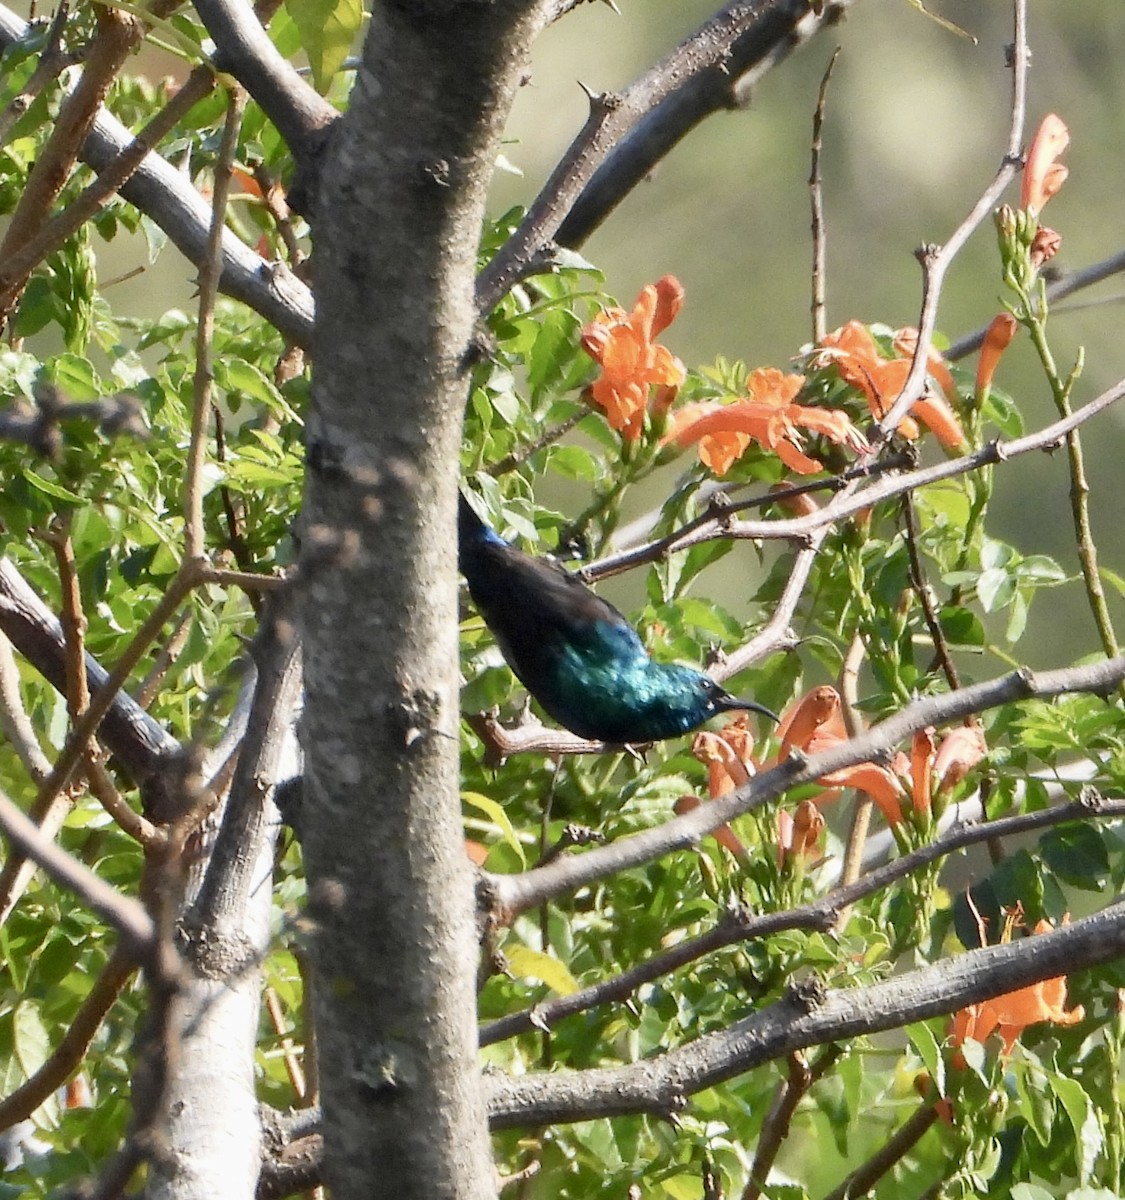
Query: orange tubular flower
x: 1043, y: 175
x: 853, y: 352
x: 730, y: 764
x: 632, y: 363
x: 770, y: 416
x: 1010, y: 1015
x: 960, y: 751
x: 997, y: 339
x: 816, y: 723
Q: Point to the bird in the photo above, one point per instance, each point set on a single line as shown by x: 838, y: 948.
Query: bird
x: 575, y: 653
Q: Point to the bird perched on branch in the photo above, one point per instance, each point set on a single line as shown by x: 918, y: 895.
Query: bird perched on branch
x: 575, y: 653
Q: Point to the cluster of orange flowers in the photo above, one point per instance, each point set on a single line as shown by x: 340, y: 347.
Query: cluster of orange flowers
x: 814, y: 724
x: 633, y: 365
x: 640, y: 377
x: 631, y: 361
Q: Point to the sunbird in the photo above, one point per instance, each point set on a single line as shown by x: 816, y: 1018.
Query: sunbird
x: 575, y: 653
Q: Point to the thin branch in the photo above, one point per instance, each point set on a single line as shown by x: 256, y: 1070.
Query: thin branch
x: 14, y: 720
x: 897, y: 1147
x: 936, y: 260
x: 924, y: 594
x: 816, y: 201
x: 195, y: 543
x: 128, y: 917
x: 775, y: 1127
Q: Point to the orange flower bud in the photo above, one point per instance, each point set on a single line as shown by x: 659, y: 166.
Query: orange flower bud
x: 1043, y: 175
x: 801, y: 505
x: 1044, y: 246
x: 997, y: 339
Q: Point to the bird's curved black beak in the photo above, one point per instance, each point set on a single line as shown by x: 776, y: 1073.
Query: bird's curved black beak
x: 729, y: 702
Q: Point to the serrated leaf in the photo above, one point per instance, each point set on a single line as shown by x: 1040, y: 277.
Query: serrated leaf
x: 498, y: 817
x: 526, y: 963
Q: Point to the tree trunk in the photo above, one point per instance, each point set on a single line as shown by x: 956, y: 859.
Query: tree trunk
x: 397, y: 225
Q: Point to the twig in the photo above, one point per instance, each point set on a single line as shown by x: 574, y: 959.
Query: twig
x: 14, y: 720
x: 23, y: 260
x: 821, y: 914
x: 52, y: 62
x: 194, y: 537
x: 128, y: 917
x: 288, y: 1047
x: 1079, y: 493
x: 68, y: 1054
x: 169, y: 652
x: 898, y: 1145
x: 864, y: 805
x: 922, y: 591
x: 816, y: 200
x: 936, y: 260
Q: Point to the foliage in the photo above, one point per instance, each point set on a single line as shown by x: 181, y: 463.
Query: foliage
x: 933, y: 597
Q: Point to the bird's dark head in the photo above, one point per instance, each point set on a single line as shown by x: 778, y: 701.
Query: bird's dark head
x: 720, y: 700
x: 685, y: 698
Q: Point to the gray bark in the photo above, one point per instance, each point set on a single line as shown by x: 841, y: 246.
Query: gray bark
x: 398, y: 220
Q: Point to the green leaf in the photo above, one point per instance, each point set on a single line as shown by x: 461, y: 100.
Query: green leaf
x: 328, y: 29
x: 923, y: 1040
x: 75, y: 375
x: 1030, y: 1191
x: 526, y: 963
x: 1089, y: 1140
x: 995, y: 587
x: 499, y: 818
x: 1077, y: 854
x: 32, y: 1044
x: 1034, y: 1102
x: 55, y: 490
